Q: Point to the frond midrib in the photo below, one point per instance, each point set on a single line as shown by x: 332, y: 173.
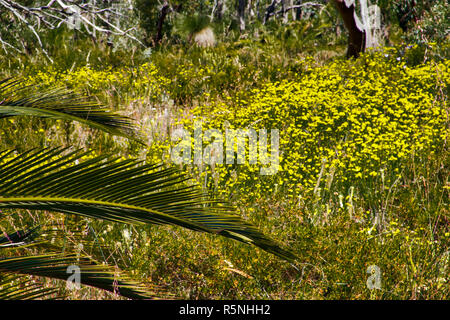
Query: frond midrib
x: 93, y: 202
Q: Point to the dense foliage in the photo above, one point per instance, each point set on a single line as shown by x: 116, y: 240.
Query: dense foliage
x: 363, y: 176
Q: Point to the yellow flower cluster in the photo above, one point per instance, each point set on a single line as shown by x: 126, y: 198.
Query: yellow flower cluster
x: 143, y: 81
x: 342, y: 123
x: 353, y: 121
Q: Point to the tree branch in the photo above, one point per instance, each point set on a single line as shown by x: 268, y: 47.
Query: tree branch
x: 58, y: 12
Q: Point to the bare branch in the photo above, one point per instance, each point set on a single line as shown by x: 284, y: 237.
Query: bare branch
x: 84, y: 16
x: 270, y: 11
x: 298, y: 6
x: 6, y: 44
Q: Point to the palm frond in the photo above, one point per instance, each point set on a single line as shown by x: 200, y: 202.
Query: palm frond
x: 63, y: 250
x: 19, y: 287
x: 18, y: 238
x: 91, y: 273
x: 126, y: 191
x: 17, y: 99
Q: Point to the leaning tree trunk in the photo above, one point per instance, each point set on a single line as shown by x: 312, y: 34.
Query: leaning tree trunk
x: 356, y: 36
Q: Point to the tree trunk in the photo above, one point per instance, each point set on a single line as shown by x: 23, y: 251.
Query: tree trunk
x: 258, y: 14
x: 270, y: 10
x: 283, y: 11
x: 107, y: 4
x: 162, y: 17
x: 217, y: 10
x: 356, y: 36
x: 291, y: 4
x: 241, y: 14
x: 298, y: 11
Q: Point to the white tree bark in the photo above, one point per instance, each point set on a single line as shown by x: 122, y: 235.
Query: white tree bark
x: 370, y: 22
x: 364, y: 32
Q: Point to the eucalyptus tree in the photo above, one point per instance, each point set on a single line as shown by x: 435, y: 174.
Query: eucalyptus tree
x: 362, y: 31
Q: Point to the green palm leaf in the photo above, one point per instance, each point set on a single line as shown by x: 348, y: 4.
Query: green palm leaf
x: 126, y: 191
x: 91, y: 273
x: 14, y: 267
x: 18, y: 238
x: 19, y: 287
x: 17, y: 99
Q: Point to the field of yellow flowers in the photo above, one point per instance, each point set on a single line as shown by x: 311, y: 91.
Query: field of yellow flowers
x: 362, y: 182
